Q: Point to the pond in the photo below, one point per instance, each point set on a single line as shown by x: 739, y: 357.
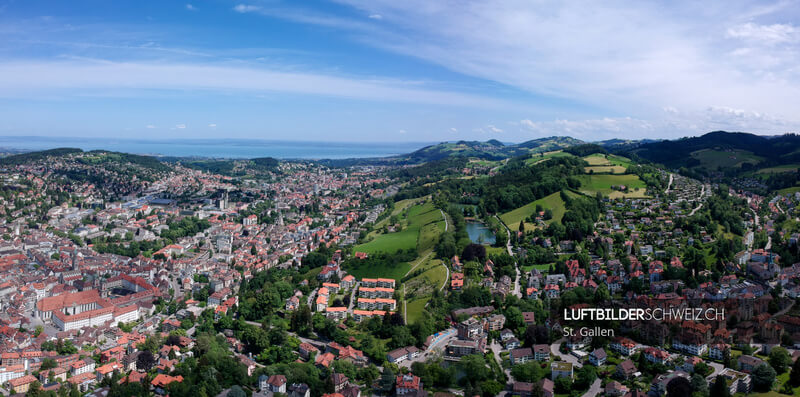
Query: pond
x: 480, y: 234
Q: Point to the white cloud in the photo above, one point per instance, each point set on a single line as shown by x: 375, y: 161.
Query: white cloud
x: 31, y: 78
x: 180, y: 126
x: 150, y: 126
x: 492, y: 128
x: 618, y: 56
x: 453, y: 129
x: 190, y: 7
x: 244, y: 8
x: 376, y: 16
x: 212, y: 126
x: 767, y: 34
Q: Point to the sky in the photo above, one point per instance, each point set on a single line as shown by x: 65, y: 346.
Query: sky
x: 389, y: 71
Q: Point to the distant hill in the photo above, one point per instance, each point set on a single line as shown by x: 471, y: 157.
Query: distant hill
x: 489, y: 150
x: 699, y: 151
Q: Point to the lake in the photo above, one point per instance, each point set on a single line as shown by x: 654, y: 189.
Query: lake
x: 480, y: 234
x: 218, y: 148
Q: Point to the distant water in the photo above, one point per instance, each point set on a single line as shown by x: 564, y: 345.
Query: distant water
x: 480, y: 234
x: 219, y: 148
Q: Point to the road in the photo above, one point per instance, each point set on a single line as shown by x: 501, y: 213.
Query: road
x: 353, y: 297
x: 445, y: 219
x: 516, y: 290
x: 317, y: 343
x: 419, y: 261
x: 446, y: 277
x: 564, y: 357
x: 669, y: 184
x: 594, y: 389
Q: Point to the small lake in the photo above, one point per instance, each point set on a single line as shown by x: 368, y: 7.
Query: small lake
x: 480, y: 234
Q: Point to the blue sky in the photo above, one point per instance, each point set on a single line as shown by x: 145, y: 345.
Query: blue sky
x: 387, y: 70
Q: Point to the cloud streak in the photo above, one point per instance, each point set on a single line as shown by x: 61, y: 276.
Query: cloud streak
x: 25, y: 78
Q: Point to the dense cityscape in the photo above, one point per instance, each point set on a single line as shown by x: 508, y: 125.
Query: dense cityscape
x: 123, y: 275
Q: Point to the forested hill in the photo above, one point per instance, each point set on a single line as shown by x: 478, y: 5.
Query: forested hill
x: 782, y: 149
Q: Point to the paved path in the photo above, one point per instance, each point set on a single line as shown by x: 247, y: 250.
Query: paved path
x: 445, y: 219
x: 446, y: 277
x: 516, y: 290
x: 564, y: 357
x: 669, y: 184
x: 419, y: 261
x: 594, y: 389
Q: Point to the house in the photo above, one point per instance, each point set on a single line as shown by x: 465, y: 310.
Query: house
x: 407, y: 384
x: 521, y: 355
x: 655, y: 355
x: 306, y: 350
x: 597, y: 357
x: 522, y: 389
x: 738, y: 382
x: 689, y: 364
x: 749, y: 363
x: 22, y: 384
x: 559, y: 369
x: 625, y: 370
x: 512, y: 343
x: 547, y: 387
x: 299, y: 390
x: 717, y: 351
x: 274, y: 383
x: 541, y: 352
x: 82, y: 366
x: 529, y: 318
x: 615, y: 389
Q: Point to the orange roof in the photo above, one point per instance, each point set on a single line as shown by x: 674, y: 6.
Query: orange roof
x: 162, y: 380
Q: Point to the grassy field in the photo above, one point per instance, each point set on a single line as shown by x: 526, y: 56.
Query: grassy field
x: 542, y: 268
x: 553, y: 202
x: 604, y: 169
x: 546, y: 156
x: 779, y: 169
x: 399, y: 207
x: 793, y: 189
x: 395, y: 272
x: 713, y: 159
x: 607, y: 159
x: 591, y: 184
x: 422, y: 223
x: 414, y: 309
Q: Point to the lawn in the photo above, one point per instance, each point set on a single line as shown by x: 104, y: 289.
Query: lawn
x: 553, y: 202
x: 395, y: 272
x: 788, y: 190
x: 538, y: 158
x: 422, y: 225
x: 779, y: 169
x: 542, y: 268
x: 414, y: 309
x: 604, y: 169
x: 713, y: 159
x: 591, y: 184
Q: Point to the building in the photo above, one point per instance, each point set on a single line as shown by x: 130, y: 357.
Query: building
x: 541, y: 352
x: 598, y: 357
x: 83, y: 309
x: 559, y: 369
x: 407, y: 384
x: 22, y: 384
x: 521, y: 355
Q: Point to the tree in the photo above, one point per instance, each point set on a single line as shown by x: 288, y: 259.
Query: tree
x: 145, y: 360
x: 779, y: 359
x: 236, y: 391
x: 699, y: 384
x: 794, y: 376
x: 763, y: 377
x: 720, y: 387
x: 679, y: 387
x: 491, y: 388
